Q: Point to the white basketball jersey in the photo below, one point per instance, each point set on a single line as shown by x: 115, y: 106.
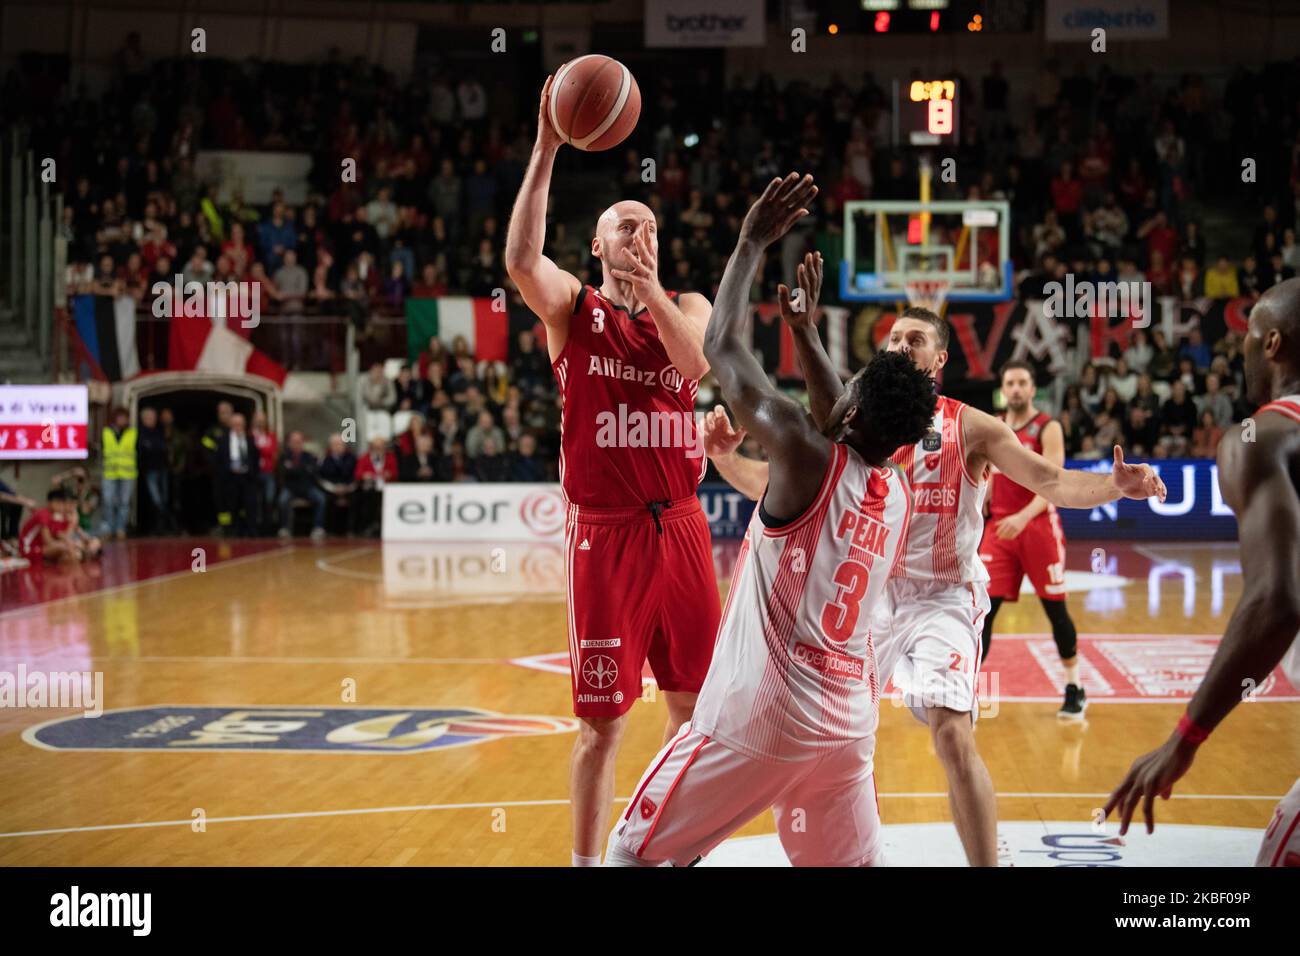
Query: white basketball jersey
x: 794, y: 670
x: 1288, y: 405
x: 948, y: 509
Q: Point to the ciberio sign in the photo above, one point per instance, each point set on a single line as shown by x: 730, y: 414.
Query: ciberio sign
x: 473, y: 512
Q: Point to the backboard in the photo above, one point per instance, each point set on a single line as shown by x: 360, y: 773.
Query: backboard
x: 912, y: 250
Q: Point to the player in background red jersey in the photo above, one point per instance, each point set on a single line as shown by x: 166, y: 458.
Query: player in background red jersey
x: 1023, y: 534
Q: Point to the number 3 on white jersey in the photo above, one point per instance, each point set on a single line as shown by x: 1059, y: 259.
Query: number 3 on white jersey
x: 599, y: 316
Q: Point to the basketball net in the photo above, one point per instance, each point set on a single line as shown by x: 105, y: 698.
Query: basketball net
x: 928, y: 293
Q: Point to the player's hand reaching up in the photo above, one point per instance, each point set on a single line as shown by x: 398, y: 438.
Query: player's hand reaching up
x: 1136, y: 481
x: 547, y: 138
x: 810, y: 285
x: 783, y: 203
x: 1152, y: 775
x: 719, y: 437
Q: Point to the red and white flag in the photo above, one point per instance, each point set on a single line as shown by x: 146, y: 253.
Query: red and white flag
x: 196, y: 343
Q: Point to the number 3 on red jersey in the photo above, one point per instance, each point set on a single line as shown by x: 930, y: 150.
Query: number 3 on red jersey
x: 840, y: 616
x: 599, y: 324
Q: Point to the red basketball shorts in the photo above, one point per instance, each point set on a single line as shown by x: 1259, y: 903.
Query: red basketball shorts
x: 639, y: 587
x: 1038, y: 551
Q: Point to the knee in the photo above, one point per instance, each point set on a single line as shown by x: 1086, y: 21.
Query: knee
x: 954, y: 741
x: 600, y: 736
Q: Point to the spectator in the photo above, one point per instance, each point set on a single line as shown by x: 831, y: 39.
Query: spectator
x: 1139, y: 353
x: 276, y: 235
x: 1177, y: 421
x: 435, y: 354
x: 406, y: 440
x: 422, y: 463
x: 1205, y: 440
x: 299, y: 473
x: 377, y: 467
x: 337, y: 476
x: 1196, y: 349
x: 237, y: 460
x: 1142, y: 431
x: 1249, y: 281
x: 1123, y: 381
x: 1216, y: 402
x: 412, y: 393
x: 268, y: 447
x: 377, y: 391
x: 490, y: 464
x: 291, y: 284
x: 448, y: 429
x: 120, y: 471
x: 1188, y: 284
x: 484, y: 428
x: 1164, y: 363
x: 11, y: 512
x: 524, y: 463
x: 153, y: 466
x: 1221, y: 281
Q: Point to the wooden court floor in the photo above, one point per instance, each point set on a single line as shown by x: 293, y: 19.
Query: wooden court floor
x: 355, y: 703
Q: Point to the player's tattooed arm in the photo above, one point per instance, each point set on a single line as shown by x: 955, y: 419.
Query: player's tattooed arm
x: 799, y: 453
x: 990, y: 440
x: 546, y: 288
x: 722, y: 445
x: 1256, y: 482
x: 824, y: 383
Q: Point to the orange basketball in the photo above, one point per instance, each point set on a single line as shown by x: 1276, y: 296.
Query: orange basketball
x: 594, y: 102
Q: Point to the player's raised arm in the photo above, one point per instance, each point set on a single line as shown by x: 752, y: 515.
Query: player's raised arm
x: 989, y: 439
x: 547, y: 289
x: 823, y: 381
x: 1257, y: 485
x: 798, y: 452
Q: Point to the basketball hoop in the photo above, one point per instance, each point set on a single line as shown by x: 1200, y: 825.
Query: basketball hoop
x: 928, y: 293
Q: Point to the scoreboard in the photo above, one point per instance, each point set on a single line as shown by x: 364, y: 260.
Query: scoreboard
x: 926, y: 112
x: 896, y: 17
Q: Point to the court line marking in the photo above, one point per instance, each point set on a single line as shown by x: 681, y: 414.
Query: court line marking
x: 325, y: 564
x: 156, y: 659
x: 419, y: 808
x: 129, y: 585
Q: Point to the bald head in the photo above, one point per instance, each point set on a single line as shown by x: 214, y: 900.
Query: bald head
x: 629, y: 209
x: 1272, y: 343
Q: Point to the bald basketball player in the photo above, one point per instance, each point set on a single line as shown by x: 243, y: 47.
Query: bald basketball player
x: 628, y: 357
x: 1259, y: 473
x: 928, y: 635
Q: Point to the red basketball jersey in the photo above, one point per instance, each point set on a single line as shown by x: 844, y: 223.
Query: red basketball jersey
x: 628, y: 432
x: 1008, y: 497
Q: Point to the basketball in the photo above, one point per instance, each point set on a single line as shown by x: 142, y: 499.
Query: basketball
x: 594, y: 103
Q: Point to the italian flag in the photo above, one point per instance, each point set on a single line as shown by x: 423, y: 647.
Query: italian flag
x: 196, y: 343
x: 487, y: 331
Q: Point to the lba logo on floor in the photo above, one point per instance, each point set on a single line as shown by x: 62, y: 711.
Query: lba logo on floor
x: 1055, y: 843
x: 473, y: 512
x: 289, y: 729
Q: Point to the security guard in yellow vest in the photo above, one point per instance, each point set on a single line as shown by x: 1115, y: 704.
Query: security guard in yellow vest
x: 118, y: 447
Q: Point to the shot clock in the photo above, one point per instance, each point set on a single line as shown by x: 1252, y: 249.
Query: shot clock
x: 925, y: 112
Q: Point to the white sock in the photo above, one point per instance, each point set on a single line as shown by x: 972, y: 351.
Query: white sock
x: 580, y: 860
x: 1072, y: 672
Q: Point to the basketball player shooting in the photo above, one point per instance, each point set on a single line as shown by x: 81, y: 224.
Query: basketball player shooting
x: 1259, y: 475
x: 639, y: 559
x: 788, y: 713
x: 1023, y: 534
x: 929, y: 632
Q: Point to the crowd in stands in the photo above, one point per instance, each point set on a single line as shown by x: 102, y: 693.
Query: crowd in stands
x: 1106, y: 175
